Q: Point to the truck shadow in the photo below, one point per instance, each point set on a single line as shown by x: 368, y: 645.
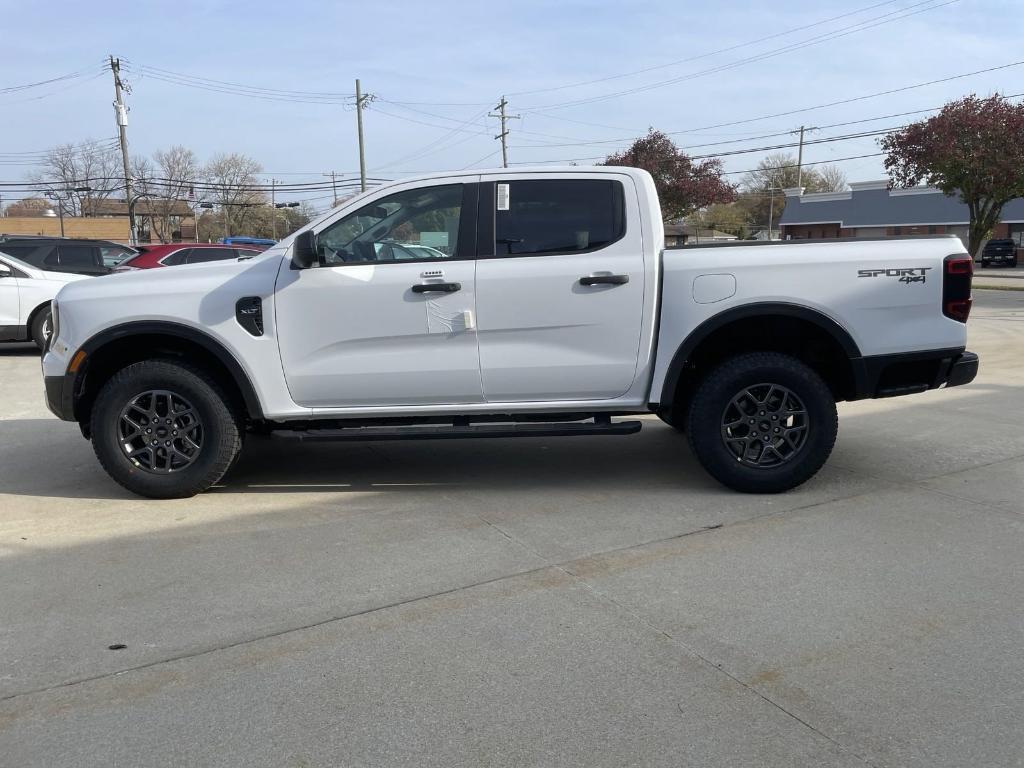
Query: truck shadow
x: 882, y: 440
x: 32, y: 450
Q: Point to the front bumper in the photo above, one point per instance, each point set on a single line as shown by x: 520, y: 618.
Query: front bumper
x: 60, y: 396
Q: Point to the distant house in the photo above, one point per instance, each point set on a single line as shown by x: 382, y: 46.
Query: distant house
x: 871, y: 209
x: 156, y: 219
x: 683, y: 234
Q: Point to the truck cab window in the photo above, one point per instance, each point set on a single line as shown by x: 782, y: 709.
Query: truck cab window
x: 558, y: 216
x: 417, y: 224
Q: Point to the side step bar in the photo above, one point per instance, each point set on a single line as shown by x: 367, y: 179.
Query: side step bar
x: 452, y: 432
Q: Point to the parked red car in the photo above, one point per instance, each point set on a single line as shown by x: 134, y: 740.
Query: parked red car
x: 171, y: 254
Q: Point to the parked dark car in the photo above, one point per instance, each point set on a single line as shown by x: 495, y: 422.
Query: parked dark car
x: 65, y: 254
x: 1001, y: 253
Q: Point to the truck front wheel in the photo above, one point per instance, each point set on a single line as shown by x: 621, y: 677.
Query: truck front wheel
x: 762, y: 423
x: 164, y: 429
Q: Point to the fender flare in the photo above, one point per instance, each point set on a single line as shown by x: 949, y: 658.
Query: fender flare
x: 765, y: 309
x: 189, y: 333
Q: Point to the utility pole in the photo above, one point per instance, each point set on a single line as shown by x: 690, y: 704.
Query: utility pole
x: 800, y: 160
x: 360, y: 98
x: 504, y: 117
x: 273, y: 209
x: 121, y: 113
x: 334, y: 186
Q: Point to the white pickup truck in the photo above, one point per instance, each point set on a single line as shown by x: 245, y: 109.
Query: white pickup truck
x: 535, y: 302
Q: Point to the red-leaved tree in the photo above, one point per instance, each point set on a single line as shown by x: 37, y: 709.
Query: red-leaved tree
x: 973, y: 148
x: 684, y: 185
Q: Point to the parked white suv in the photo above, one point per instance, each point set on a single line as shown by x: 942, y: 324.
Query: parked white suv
x: 544, y: 303
x: 25, y: 295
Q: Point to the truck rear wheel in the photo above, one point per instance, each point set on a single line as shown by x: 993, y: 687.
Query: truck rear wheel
x: 762, y: 423
x: 164, y: 429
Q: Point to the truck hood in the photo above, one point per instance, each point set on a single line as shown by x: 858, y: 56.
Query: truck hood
x: 162, y: 289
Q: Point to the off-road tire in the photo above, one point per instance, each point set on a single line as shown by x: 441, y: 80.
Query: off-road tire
x: 222, y: 429
x: 40, y: 323
x: 707, y: 418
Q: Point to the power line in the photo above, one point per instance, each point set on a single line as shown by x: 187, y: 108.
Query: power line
x: 836, y: 34
x: 300, y: 97
x: 228, y: 83
x: 50, y: 81
x: 815, y: 107
x: 429, y: 149
x: 703, y: 55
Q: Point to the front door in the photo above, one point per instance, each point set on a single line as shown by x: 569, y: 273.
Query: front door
x: 387, y: 318
x: 560, y: 288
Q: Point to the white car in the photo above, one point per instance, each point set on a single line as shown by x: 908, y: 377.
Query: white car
x: 554, y: 309
x: 25, y: 296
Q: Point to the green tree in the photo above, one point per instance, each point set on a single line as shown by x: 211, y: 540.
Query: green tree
x: 973, y: 148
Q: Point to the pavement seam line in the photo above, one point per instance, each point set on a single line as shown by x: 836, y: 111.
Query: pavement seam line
x: 561, y: 565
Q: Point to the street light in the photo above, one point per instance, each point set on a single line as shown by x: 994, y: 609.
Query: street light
x: 273, y: 216
x: 52, y: 193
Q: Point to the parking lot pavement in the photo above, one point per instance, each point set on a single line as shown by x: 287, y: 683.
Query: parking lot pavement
x: 593, y: 601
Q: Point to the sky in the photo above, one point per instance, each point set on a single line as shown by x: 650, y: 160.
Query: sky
x: 586, y: 77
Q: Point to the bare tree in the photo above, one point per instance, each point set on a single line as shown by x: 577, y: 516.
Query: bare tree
x: 92, y: 164
x: 763, y: 195
x: 833, y: 179
x: 178, y: 173
x: 230, y: 179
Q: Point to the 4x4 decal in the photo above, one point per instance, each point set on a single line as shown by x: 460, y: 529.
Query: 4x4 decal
x: 906, y: 275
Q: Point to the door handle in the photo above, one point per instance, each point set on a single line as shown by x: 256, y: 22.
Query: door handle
x: 604, y: 280
x: 436, y: 287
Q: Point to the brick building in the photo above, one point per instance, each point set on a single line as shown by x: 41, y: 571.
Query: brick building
x: 156, y: 219
x: 871, y: 209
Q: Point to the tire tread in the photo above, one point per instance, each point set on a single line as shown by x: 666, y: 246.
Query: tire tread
x: 230, y: 431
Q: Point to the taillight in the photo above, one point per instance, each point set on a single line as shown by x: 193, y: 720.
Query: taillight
x: 956, y: 286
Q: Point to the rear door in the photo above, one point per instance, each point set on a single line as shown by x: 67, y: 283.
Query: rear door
x: 81, y: 258
x: 560, y: 287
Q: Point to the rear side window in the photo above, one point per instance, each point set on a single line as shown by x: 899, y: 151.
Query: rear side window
x: 557, y: 216
x: 75, y: 256
x: 199, y: 255
x: 178, y: 257
x: 26, y: 253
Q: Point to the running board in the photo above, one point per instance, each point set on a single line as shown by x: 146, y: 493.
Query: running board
x: 440, y: 432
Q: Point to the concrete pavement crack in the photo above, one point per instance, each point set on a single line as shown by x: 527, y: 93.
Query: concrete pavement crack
x: 546, y: 564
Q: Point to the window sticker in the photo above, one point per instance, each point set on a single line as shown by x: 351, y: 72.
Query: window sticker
x: 503, y: 197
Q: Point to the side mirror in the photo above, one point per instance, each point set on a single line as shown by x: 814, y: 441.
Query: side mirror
x: 5, y: 271
x: 304, y: 250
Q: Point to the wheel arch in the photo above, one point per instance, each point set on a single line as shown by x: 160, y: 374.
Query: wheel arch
x: 806, y: 333
x: 113, y: 348
x: 35, y: 313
